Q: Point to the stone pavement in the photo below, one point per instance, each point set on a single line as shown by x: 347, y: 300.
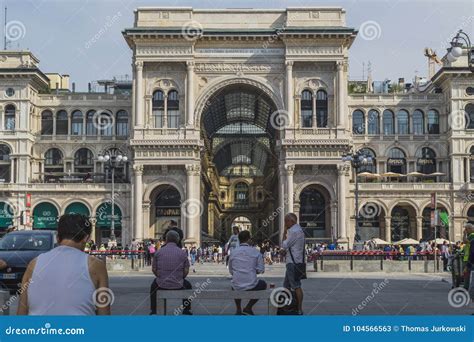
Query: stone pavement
x: 325, y: 293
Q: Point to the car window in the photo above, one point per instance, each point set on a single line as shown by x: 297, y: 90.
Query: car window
x: 18, y: 242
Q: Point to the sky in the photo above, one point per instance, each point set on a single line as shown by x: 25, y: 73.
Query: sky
x: 392, y: 36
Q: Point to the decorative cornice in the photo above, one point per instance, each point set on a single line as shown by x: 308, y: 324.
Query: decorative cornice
x: 237, y: 67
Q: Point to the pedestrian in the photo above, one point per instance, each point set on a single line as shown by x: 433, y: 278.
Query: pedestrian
x: 174, y: 226
x: 245, y: 263
x: 232, y: 243
x: 468, y: 239
x: 64, y: 281
x: 294, y: 245
x: 445, y: 254
x: 170, y: 266
x: 192, y: 254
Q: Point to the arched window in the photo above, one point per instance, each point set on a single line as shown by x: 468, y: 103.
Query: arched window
x: 388, y: 122
x: 241, y: 194
x: 105, y: 124
x: 77, y: 123
x: 396, y: 161
x: 10, y: 118
x: 5, y: 165
x: 372, y: 167
x: 158, y: 108
x: 121, y: 123
x: 83, y: 161
x: 373, y: 122
x: 418, y: 122
x: 321, y: 108
x: 47, y: 123
x: 358, y: 122
x: 91, y: 127
x: 469, y: 116
x: 53, y: 164
x: 426, y: 161
x: 403, y: 122
x: 61, y: 122
x: 306, y: 109
x: 173, y: 109
x: 433, y: 122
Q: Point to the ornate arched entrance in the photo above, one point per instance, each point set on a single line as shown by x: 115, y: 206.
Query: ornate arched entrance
x: 239, y: 162
x: 165, y: 206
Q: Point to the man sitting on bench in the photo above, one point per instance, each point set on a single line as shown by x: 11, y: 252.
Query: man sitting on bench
x: 244, y: 264
x: 170, y: 266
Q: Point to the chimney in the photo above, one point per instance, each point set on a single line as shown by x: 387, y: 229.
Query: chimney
x: 89, y: 87
x: 73, y: 87
x: 65, y: 82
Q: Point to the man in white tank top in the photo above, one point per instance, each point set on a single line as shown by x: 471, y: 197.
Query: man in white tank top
x: 65, y: 280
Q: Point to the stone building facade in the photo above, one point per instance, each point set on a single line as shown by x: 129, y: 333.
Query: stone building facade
x: 239, y: 116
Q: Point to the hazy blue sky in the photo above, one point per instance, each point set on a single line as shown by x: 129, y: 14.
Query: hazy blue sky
x: 59, y: 32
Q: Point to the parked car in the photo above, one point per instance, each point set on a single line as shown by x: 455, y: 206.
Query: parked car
x: 17, y: 249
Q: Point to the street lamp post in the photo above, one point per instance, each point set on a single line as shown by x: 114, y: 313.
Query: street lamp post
x: 113, y: 161
x: 456, y: 49
x: 357, y: 159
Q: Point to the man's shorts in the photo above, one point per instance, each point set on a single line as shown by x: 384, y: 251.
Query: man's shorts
x: 261, y: 285
x: 292, y: 278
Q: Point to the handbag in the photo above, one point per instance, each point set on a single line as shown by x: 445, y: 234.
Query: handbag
x: 300, y: 267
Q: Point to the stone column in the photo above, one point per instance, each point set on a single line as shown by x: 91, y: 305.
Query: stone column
x: 290, y: 170
x: 93, y: 232
x: 193, y: 207
x: 419, y: 227
x: 289, y: 92
x: 146, y: 219
x: 281, y: 201
x: 139, y: 94
x: 341, y: 97
x: 190, y: 93
x: 342, y: 171
x: 468, y: 169
x: 13, y: 178
x: 137, y: 203
x: 388, y: 229
x: 334, y: 234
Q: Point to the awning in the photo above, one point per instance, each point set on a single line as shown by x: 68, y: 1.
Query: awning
x: 45, y: 216
x: 77, y: 208
x: 104, y: 216
x: 6, y: 215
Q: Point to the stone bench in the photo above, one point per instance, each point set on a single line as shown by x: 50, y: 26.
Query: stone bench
x: 192, y: 295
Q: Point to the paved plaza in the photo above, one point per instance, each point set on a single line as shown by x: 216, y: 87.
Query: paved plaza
x: 325, y: 293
